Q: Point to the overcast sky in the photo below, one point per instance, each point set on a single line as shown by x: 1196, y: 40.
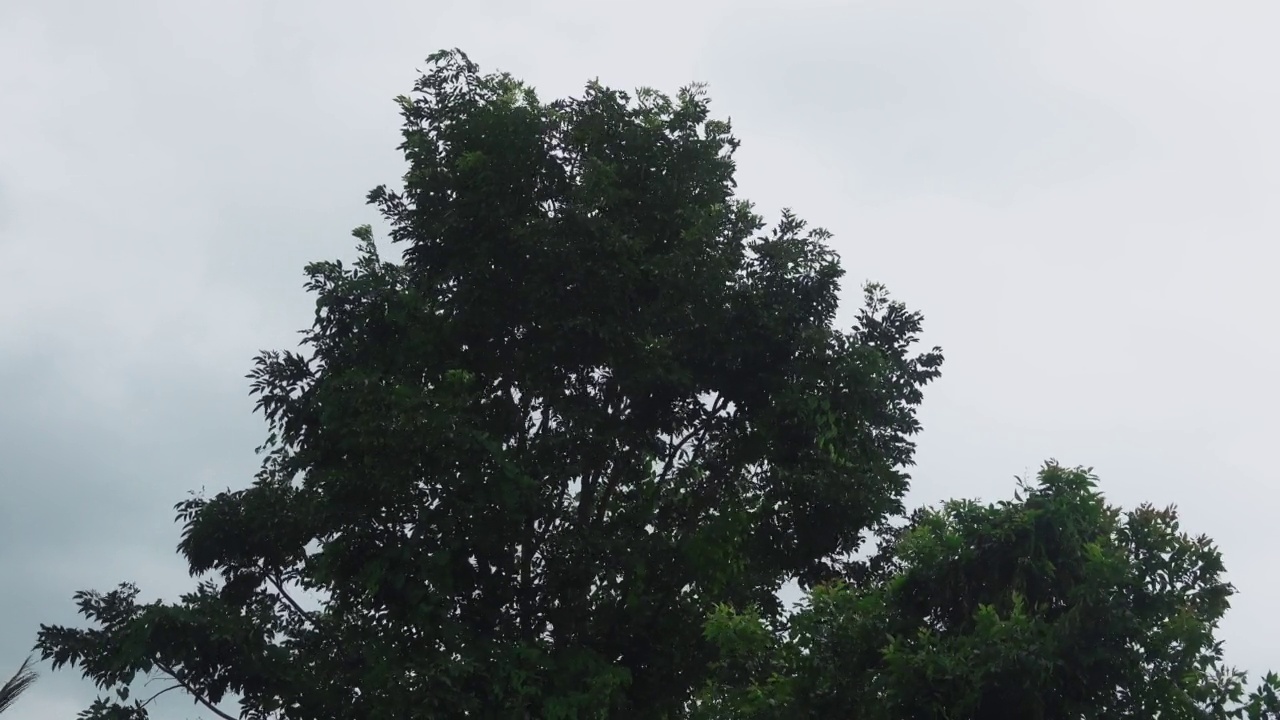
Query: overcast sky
x: 1080, y: 196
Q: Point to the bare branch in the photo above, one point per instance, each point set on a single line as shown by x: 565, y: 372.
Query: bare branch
x: 191, y: 690
x: 153, y: 697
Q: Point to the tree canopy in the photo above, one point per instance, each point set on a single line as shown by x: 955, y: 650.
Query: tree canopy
x: 1054, y: 605
x: 516, y: 467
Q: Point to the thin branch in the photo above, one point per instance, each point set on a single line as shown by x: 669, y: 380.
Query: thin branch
x: 153, y: 697
x: 191, y: 690
x: 587, y: 495
x: 700, y: 429
x: 278, y: 584
x: 524, y: 585
x: 707, y: 500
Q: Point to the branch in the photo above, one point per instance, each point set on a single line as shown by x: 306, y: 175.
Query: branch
x: 708, y: 500
x: 192, y: 691
x: 587, y: 496
x: 293, y: 604
x: 153, y: 697
x: 700, y: 429
x: 527, y: 550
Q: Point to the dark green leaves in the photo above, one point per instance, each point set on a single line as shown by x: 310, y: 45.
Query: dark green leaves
x: 1054, y: 605
x: 510, y: 473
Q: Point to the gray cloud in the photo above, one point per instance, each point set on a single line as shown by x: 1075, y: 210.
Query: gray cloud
x: 909, y: 98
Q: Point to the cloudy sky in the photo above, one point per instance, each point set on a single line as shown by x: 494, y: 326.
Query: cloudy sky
x: 1080, y: 196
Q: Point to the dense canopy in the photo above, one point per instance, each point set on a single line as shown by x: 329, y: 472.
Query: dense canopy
x: 516, y: 467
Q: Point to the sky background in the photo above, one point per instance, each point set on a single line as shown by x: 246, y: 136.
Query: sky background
x: 1079, y: 196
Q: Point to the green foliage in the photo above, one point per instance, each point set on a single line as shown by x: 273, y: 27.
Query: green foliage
x: 518, y: 467
x: 1053, y: 605
x: 16, y: 685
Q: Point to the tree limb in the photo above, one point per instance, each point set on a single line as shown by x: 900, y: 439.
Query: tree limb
x: 153, y: 697
x: 191, y: 690
x: 292, y: 604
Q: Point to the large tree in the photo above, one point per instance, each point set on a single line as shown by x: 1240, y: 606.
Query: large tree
x: 1052, y: 606
x: 517, y: 466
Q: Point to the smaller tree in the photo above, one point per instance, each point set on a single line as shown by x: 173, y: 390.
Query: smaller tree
x: 1052, y: 605
x: 18, y: 684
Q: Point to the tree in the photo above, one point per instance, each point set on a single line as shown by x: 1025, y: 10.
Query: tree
x: 16, y: 685
x: 518, y: 467
x: 1053, y: 605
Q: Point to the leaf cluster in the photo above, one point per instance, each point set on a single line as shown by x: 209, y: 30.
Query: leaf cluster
x: 1051, y: 605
